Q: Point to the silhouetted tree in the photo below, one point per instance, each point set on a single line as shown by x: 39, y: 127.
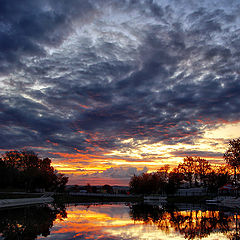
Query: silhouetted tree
x: 175, y: 180
x: 202, y: 168
x: 26, y: 169
x: 188, y: 168
x: 164, y: 171
x: 194, y: 168
x: 217, y: 178
x: 232, y: 156
x: 148, y: 183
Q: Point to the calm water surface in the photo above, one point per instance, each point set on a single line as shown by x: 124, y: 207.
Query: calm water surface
x: 117, y: 221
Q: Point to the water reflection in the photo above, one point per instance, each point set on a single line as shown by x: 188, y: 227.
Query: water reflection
x: 29, y: 222
x: 117, y: 221
x: 191, y: 224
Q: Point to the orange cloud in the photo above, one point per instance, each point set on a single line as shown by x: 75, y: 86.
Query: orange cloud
x: 84, y: 106
x: 53, y: 143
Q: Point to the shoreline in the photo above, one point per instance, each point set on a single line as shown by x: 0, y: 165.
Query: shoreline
x: 6, y: 203
x: 12, y: 200
x: 66, y: 198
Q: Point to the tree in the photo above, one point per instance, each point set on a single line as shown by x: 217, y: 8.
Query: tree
x: 135, y: 184
x: 215, y: 180
x: 232, y: 156
x: 149, y: 183
x: 203, y: 167
x: 175, y: 180
x: 9, y: 176
x: 194, y: 168
x: 26, y: 170
x: 61, y: 181
x: 187, y: 168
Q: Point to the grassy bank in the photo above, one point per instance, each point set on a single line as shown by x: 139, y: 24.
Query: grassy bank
x: 4, y: 195
x: 65, y: 198
x: 14, y: 193
x: 188, y: 199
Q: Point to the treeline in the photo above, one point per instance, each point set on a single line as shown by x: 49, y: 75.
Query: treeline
x: 195, y: 171
x: 25, y: 170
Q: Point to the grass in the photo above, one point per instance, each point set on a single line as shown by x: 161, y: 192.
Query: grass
x: 15, y: 196
x: 64, y: 198
x: 188, y: 199
x: 10, y: 190
x: 10, y: 193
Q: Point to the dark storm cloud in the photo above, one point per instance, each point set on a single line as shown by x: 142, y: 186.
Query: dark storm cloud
x: 86, y: 74
x: 30, y: 26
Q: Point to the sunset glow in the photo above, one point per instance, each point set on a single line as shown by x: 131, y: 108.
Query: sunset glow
x: 211, y: 146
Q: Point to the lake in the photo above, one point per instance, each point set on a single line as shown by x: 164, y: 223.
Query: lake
x: 117, y: 221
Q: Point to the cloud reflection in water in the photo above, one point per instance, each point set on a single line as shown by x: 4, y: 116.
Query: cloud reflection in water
x: 113, y: 222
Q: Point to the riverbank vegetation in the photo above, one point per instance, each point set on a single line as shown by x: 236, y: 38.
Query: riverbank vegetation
x: 193, y: 172
x: 26, y: 170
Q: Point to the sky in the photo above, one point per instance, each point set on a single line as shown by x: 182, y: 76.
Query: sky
x: 112, y: 88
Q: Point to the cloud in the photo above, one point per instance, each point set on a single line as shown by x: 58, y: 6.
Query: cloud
x: 88, y: 75
x: 112, y: 176
x: 27, y: 30
x: 198, y: 153
x: 119, y: 172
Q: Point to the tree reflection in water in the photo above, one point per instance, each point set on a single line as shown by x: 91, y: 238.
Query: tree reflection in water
x: 192, y: 224
x: 29, y: 222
